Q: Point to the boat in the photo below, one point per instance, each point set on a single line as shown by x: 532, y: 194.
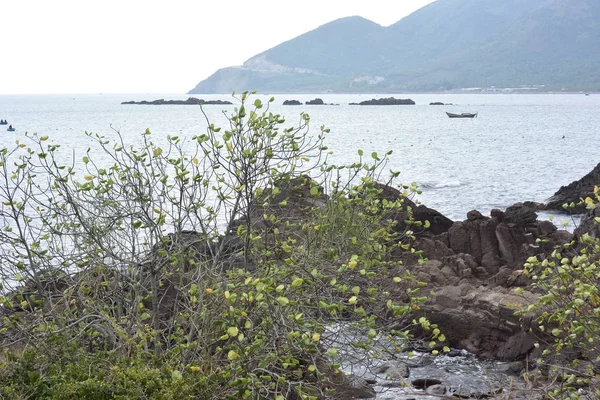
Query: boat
x: 11, y: 129
x: 3, y: 122
x: 463, y: 115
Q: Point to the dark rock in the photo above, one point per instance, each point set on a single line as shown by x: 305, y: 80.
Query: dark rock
x: 317, y: 101
x: 574, y: 192
x: 292, y: 103
x: 189, y: 101
x: 474, y: 215
x: 520, y: 214
x: 438, y: 223
x: 424, y: 383
x: 439, y: 103
x: 390, y: 101
x: 588, y: 224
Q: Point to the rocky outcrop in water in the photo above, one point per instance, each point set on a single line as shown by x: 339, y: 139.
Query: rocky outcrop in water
x: 389, y: 101
x: 575, y: 191
x: 292, y: 103
x: 315, y: 102
x: 190, y: 101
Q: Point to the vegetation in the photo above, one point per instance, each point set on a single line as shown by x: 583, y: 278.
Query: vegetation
x: 217, y: 267
x: 568, y: 314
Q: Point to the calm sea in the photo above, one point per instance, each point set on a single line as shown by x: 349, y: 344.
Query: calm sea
x: 521, y: 147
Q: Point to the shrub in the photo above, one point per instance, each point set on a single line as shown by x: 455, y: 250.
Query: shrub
x: 213, y: 268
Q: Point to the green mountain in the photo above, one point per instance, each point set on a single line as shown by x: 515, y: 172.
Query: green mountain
x: 445, y: 45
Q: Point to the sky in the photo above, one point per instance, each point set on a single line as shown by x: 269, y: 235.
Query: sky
x: 150, y: 46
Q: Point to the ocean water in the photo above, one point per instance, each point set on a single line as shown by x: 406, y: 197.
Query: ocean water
x: 521, y: 147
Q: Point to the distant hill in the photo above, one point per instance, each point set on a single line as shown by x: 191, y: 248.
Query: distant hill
x: 445, y: 45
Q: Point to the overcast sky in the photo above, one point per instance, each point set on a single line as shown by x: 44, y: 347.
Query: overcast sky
x: 135, y: 46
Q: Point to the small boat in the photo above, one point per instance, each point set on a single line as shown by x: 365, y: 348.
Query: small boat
x: 463, y: 115
x: 3, y: 122
x: 11, y: 129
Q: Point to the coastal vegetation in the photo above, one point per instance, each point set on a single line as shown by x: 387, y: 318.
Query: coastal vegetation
x: 243, y: 263
x: 232, y: 265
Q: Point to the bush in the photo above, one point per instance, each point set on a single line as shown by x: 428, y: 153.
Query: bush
x: 213, y: 268
x: 568, y: 314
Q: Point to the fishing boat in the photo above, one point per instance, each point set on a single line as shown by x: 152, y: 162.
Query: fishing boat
x: 11, y: 129
x: 3, y: 122
x: 463, y: 115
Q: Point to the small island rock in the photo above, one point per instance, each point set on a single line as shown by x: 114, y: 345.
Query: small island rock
x: 389, y: 101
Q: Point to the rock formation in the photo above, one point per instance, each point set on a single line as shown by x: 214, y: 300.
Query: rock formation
x: 575, y: 191
x: 389, y: 101
x: 317, y: 102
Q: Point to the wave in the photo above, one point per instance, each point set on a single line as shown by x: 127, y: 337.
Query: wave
x: 441, y: 185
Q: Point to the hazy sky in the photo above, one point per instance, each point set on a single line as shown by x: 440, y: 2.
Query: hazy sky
x: 134, y: 46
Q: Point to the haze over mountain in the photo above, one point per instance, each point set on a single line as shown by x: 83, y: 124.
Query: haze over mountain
x: 445, y: 45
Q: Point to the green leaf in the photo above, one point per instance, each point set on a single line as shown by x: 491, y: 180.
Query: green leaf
x: 297, y: 282
x: 284, y: 301
x: 232, y: 331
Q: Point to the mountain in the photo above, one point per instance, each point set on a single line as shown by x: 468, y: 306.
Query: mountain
x: 445, y: 45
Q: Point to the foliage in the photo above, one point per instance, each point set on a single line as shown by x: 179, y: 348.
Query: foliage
x: 568, y: 313
x: 214, y: 267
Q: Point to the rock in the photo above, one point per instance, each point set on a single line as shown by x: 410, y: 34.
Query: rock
x: 480, y: 320
x: 476, y: 237
x: 390, y: 101
x: 356, y: 388
x: 588, y: 224
x: 292, y: 103
x: 190, y: 101
x: 436, y: 389
x: 512, y: 368
x: 316, y: 101
x: 460, y: 392
x: 520, y: 214
x: 420, y: 361
x: 439, y: 103
x: 424, y: 383
x: 574, y: 192
x: 474, y: 215
x: 438, y: 223
x: 397, y: 372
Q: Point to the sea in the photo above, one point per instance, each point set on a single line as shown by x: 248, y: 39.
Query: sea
x: 521, y: 147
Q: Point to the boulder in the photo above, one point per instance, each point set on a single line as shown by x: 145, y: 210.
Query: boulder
x: 575, y: 191
x: 588, y: 224
x: 481, y: 320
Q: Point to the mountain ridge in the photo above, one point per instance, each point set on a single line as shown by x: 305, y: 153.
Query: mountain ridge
x: 448, y: 44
